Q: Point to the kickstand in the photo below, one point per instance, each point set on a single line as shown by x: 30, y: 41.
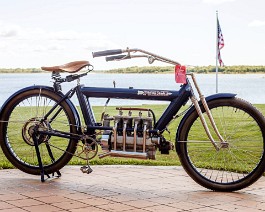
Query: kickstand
x: 42, y: 171
x: 52, y: 158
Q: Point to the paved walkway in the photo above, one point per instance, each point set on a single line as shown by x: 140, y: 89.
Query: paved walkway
x: 122, y: 188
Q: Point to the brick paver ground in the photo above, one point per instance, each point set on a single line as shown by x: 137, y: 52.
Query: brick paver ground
x: 122, y: 188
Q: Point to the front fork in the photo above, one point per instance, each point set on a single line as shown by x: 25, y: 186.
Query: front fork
x: 209, y: 114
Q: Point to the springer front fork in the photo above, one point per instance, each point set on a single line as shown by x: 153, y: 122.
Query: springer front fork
x: 209, y: 114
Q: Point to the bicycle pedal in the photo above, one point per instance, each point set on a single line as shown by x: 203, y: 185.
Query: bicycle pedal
x: 86, y: 169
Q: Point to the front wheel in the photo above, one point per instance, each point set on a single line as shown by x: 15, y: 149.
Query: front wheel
x: 19, y: 117
x: 238, y: 163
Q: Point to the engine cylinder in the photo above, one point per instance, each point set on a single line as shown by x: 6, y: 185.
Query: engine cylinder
x: 130, y: 134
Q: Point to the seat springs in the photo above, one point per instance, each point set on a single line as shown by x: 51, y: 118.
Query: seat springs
x: 56, y: 76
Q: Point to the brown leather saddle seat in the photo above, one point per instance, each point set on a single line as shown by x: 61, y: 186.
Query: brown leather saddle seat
x: 71, y: 67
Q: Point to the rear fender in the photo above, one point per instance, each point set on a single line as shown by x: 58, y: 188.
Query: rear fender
x: 38, y: 87
x: 192, y: 109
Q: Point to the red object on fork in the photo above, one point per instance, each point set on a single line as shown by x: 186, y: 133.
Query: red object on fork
x: 180, y: 74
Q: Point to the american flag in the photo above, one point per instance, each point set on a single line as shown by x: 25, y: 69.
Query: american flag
x: 220, y: 42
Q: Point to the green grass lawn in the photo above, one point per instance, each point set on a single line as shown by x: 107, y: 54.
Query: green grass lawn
x: 171, y: 159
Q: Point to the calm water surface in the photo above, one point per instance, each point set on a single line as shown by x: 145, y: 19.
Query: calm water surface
x: 250, y: 87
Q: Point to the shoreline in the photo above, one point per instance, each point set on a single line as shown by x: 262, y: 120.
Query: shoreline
x: 106, y: 72
x: 233, y: 69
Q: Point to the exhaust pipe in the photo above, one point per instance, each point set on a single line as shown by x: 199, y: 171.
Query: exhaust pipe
x: 123, y: 154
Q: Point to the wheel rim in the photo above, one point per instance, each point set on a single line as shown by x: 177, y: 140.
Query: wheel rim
x: 24, y: 116
x: 237, y: 159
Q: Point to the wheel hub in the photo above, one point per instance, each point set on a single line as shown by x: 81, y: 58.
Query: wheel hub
x: 224, y: 145
x: 28, y: 130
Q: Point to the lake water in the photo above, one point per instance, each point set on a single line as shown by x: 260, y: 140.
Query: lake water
x: 250, y: 87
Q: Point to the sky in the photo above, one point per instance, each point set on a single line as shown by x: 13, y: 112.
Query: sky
x: 35, y: 33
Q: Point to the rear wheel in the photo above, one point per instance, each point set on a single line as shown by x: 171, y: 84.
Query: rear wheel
x: 239, y: 162
x: 21, y: 115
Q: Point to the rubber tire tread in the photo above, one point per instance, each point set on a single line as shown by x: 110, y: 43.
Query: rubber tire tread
x: 34, y: 170
x: 184, y: 157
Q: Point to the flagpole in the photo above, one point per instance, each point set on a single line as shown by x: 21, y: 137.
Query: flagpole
x: 217, y: 51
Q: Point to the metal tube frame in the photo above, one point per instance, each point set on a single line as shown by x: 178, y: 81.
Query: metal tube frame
x: 177, y: 98
x: 151, y: 58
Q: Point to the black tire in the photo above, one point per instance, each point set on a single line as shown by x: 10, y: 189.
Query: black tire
x: 20, y: 115
x: 235, y: 166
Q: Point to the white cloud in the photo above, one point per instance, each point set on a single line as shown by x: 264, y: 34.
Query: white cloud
x: 33, y: 47
x: 99, y: 44
x: 63, y: 35
x: 39, y: 48
x: 217, y: 1
x: 3, y: 45
x: 40, y: 40
x: 8, y: 31
x: 55, y: 47
x: 256, y: 23
x: 50, y: 47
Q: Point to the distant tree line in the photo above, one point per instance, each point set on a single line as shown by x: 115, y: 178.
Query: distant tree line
x: 229, y: 69
x: 159, y: 69
x: 20, y: 70
x: 197, y: 69
x: 143, y: 69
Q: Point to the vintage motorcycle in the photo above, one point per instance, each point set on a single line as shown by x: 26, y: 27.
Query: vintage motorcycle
x: 219, y: 141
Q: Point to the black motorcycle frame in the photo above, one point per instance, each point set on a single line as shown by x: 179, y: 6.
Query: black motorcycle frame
x: 176, y: 100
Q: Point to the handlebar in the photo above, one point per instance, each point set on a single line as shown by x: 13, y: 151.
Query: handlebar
x: 107, y: 52
x: 131, y: 54
x: 118, y: 57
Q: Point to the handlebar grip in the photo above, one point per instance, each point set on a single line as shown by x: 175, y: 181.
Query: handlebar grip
x: 107, y: 52
x: 118, y: 57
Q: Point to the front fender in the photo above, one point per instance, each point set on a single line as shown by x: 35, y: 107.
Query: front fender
x: 191, y: 110
x: 42, y: 87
